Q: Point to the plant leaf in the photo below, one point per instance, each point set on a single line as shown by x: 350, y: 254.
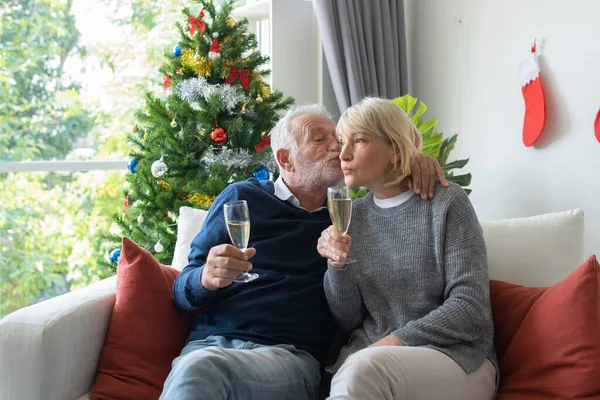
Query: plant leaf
x: 462, y: 180
x: 420, y: 111
x: 434, y: 143
x: 406, y: 103
x: 445, y: 149
x: 426, y: 127
x: 455, y: 164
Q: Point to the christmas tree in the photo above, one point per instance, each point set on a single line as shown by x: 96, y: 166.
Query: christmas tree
x: 206, y: 129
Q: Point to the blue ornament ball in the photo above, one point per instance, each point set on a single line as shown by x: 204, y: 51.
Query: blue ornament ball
x: 177, y: 51
x: 132, y: 164
x: 262, y: 174
x: 114, y: 255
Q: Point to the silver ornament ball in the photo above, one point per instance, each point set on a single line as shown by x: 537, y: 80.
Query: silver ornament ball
x: 158, y: 247
x: 140, y: 219
x: 159, y: 168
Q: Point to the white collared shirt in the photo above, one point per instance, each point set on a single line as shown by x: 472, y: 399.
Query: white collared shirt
x: 283, y: 193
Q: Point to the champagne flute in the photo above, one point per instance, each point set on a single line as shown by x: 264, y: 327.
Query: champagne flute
x: 339, y: 203
x: 237, y: 220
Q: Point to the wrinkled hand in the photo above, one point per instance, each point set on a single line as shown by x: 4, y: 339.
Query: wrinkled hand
x: 334, y: 246
x: 389, y: 340
x: 224, y: 263
x: 424, y: 169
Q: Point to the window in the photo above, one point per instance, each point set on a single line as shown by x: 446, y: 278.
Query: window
x: 72, y: 75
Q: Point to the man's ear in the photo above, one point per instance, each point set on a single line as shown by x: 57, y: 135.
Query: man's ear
x: 283, y: 157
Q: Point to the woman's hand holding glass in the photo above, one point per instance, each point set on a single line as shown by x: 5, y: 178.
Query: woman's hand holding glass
x: 339, y: 204
x: 334, y: 246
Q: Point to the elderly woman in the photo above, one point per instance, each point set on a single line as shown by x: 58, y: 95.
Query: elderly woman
x: 416, y: 301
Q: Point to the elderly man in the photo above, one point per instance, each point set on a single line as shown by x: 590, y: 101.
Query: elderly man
x: 267, y: 339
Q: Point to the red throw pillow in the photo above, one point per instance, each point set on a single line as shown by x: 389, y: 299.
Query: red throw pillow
x: 548, y: 339
x: 146, y: 331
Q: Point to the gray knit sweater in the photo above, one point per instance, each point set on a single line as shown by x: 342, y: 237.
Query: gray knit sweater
x: 420, y: 274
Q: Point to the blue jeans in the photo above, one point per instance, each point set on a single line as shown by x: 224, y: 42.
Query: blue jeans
x: 217, y: 368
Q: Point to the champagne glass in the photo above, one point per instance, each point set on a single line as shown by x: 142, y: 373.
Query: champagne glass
x: 339, y: 203
x: 237, y: 220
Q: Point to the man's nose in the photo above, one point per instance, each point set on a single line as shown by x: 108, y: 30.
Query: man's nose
x: 334, y: 145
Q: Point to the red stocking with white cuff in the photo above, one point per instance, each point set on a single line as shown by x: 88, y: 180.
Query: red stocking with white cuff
x: 533, y: 94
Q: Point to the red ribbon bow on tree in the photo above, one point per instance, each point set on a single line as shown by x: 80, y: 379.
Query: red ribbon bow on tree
x: 167, y: 82
x: 266, y: 142
x: 243, y: 74
x: 197, y: 23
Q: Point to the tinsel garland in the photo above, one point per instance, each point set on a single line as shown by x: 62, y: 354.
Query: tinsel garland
x: 269, y: 162
x: 226, y: 68
x: 164, y: 185
x: 202, y: 67
x: 231, y: 158
x: 201, y: 200
x: 240, y: 159
x: 255, y: 76
x: 265, y: 91
x: 192, y: 89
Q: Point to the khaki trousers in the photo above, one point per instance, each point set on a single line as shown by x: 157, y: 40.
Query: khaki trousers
x: 410, y: 373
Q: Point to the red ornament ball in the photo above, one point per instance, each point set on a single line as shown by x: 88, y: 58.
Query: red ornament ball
x: 219, y: 136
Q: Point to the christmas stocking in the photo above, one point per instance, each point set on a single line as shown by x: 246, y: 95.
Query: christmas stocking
x: 533, y: 93
x: 597, y: 126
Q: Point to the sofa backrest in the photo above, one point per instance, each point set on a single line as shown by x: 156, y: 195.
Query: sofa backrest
x: 535, y: 251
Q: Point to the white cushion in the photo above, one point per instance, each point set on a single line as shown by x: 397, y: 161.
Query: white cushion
x: 535, y: 251
x: 189, y: 224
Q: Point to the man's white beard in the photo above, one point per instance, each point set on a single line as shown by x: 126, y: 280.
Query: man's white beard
x: 316, y: 174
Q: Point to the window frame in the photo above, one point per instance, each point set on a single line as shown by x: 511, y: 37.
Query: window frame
x: 67, y: 166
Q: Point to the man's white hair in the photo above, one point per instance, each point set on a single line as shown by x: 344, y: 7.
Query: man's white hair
x: 283, y: 134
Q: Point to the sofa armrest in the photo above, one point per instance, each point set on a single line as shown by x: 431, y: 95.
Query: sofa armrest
x: 51, y: 350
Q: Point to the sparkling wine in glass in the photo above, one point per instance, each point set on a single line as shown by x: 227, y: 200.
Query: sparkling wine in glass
x: 237, y: 220
x: 339, y: 203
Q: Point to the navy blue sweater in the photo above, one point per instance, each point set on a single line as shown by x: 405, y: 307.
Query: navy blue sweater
x: 286, y: 304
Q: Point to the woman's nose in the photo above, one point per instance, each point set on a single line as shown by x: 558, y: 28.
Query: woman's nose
x: 345, y: 153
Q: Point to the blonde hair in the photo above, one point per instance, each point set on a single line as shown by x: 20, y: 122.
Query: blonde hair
x: 283, y: 135
x: 382, y: 118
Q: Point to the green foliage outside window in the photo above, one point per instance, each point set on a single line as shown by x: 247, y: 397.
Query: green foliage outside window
x: 49, y: 221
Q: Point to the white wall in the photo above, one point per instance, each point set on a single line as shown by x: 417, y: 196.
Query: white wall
x: 293, y: 53
x: 463, y: 56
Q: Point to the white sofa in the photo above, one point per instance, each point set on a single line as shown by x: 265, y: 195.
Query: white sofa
x: 49, y: 351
